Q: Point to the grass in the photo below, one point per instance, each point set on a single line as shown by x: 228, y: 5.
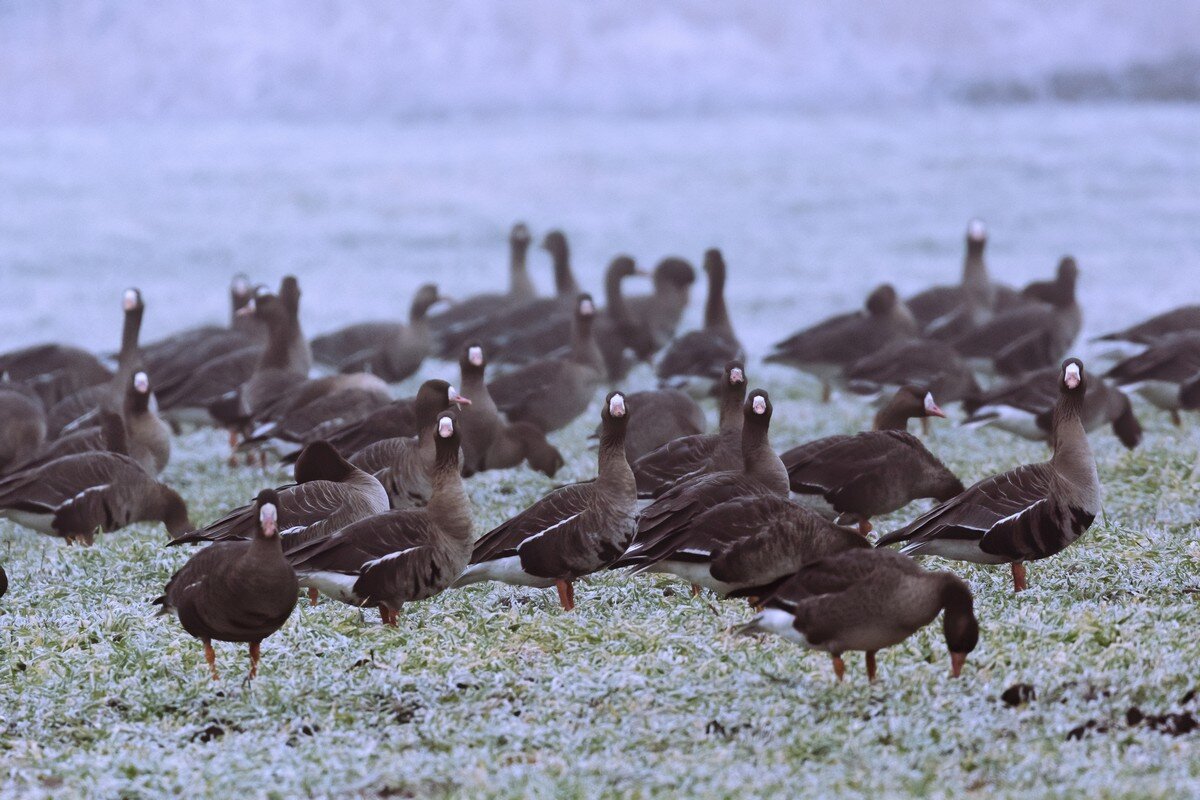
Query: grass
x: 493, y: 691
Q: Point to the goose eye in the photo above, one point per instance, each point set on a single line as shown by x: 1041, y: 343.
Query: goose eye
x: 759, y: 404
x: 445, y: 427
x: 616, y: 406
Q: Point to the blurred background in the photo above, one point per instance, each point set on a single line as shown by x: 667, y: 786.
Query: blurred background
x: 368, y: 147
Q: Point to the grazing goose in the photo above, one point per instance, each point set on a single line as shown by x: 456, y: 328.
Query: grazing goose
x: 924, y: 362
x: 75, y: 496
x: 1025, y: 407
x: 869, y: 600
x: 702, y: 354
x: 1033, y: 335
x: 827, y: 347
x: 574, y: 531
x: 391, y: 350
x: 236, y: 591
x: 404, y: 464
x: 672, y: 516
x: 450, y: 323
x: 1135, y: 338
x: 689, y: 456
x: 54, y: 371
x: 552, y: 392
x: 329, y: 494
x: 1025, y: 514
x: 877, y: 471
x: 22, y: 425
x: 1158, y: 373
x: 399, y: 557
x: 661, y: 311
x: 109, y: 435
x: 664, y: 416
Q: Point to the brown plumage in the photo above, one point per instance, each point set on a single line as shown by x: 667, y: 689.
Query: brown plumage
x: 391, y: 350
x: 701, y: 354
x: 22, y: 425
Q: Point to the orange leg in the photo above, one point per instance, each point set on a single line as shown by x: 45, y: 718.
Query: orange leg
x: 255, y: 654
x: 210, y: 656
x: 826, y: 392
x: 313, y: 594
x: 387, y: 615
x: 695, y: 590
x: 871, y: 666
x: 1018, y: 576
x: 1176, y: 420
x: 566, y: 594
x: 233, y: 443
x: 925, y: 426
x: 864, y: 526
x: 839, y: 668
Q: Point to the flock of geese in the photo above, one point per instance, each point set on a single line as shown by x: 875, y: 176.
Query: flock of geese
x: 379, y: 514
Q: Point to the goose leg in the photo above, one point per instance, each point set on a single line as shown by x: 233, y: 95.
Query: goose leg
x: 210, y: 656
x: 313, y: 594
x: 1018, y: 576
x: 566, y: 594
x: 839, y: 668
x: 233, y: 442
x: 1176, y: 420
x: 871, y: 666
x: 864, y: 526
x: 695, y: 590
x: 924, y: 426
x: 255, y: 654
x: 826, y: 392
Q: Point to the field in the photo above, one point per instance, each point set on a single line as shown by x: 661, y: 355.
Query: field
x: 642, y: 691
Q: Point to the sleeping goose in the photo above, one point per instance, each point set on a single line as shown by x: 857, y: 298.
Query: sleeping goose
x: 1025, y: 514
x: 658, y: 470
x: 399, y: 557
x: 329, y: 494
x: 235, y: 591
x: 924, y: 362
x: 868, y: 600
x: 574, y: 531
x: 1157, y: 373
x: 391, y: 350
x: 1032, y: 335
x: 1025, y: 407
x: 661, y: 310
x: 664, y: 416
x: 403, y: 464
x: 827, y: 347
x: 701, y: 355
x: 552, y: 392
x: 22, y: 425
x: 877, y: 471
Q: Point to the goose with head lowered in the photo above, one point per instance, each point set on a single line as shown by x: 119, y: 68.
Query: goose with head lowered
x: 1159, y: 372
x: 398, y: 557
x: 878, y: 471
x: 391, y: 350
x: 868, y: 600
x: 698, y: 357
x: 574, y: 531
x: 689, y: 456
x: 1026, y: 514
x: 923, y: 362
x: 827, y: 347
x: 240, y: 591
x: 552, y: 392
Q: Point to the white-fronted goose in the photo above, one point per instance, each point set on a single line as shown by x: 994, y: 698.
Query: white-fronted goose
x: 827, y: 347
x: 148, y: 436
x: 404, y: 464
x: 1189, y: 393
x: 3, y: 582
x: 1025, y: 407
x: 923, y: 362
x: 658, y: 470
x: 391, y: 350
x: 869, y: 600
x: 664, y: 416
x: 75, y: 496
x: 552, y: 392
x: 1025, y: 514
x: 399, y: 557
x: 702, y: 354
x: 1135, y: 338
x: 54, y: 371
x: 574, y: 531
x: 329, y: 494
x: 108, y: 435
x: 236, y: 591
x: 318, y: 403
x: 877, y: 471
x: 661, y: 311
x: 188, y: 397
x: 624, y: 341
x: 22, y: 425
x: 1033, y: 335
x: 1157, y: 373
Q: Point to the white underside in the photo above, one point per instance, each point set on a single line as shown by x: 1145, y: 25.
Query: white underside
x: 1117, y: 351
x: 780, y: 623
x: 698, y: 573
x: 695, y: 386
x: 505, y: 570
x: 1162, y: 394
x: 955, y: 549
x: 1014, y: 420
x: 43, y: 523
x: 337, y: 585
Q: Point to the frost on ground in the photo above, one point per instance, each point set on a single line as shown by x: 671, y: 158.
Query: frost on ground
x: 642, y: 691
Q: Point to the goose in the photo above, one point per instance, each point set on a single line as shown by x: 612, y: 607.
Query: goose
x: 661, y: 311
x: 1032, y: 335
x: 22, y: 425
x: 574, y: 531
x: 1025, y: 407
x: 1189, y: 393
x: 827, y: 347
x: 3, y: 582
x: 75, y: 496
x: 623, y: 340
x: 924, y: 362
x: 167, y: 349
x: 240, y: 591
x: 53, y: 371
x: 702, y: 354
x: 868, y: 600
x: 452, y: 321
x: 399, y: 557
x: 325, y: 403
x: 109, y: 435
x: 689, y: 456
x: 664, y: 416
x: 186, y: 398
x: 1158, y: 373
x: 1134, y: 339
x: 388, y: 349
x: 403, y: 464
x: 1026, y: 514
x: 877, y: 471
x: 552, y: 392
x: 329, y: 494
x: 672, y: 516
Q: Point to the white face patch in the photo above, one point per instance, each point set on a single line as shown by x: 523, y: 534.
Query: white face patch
x: 1071, y: 376
x: 445, y: 427
x: 930, y: 406
x: 451, y: 393
x: 130, y: 299
x: 587, y: 308
x: 268, y: 517
x: 241, y: 285
x: 141, y: 382
x: 976, y: 230
x: 759, y: 404
x: 475, y: 356
x: 737, y: 376
x: 616, y: 406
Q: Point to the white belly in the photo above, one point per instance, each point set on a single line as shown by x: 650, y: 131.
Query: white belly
x: 698, y: 573
x: 955, y: 549
x: 780, y: 623
x: 337, y: 585
x: 1014, y: 420
x: 43, y: 523
x: 505, y: 570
